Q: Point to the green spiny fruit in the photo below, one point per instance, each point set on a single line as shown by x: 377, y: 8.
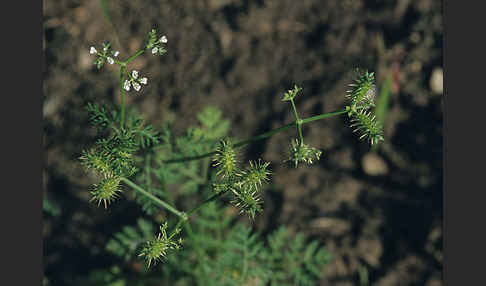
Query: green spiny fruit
x: 156, y: 249
x: 300, y: 152
x: 365, y: 123
x: 247, y: 200
x: 226, y: 159
x: 94, y: 160
x: 106, y: 191
x: 254, y: 176
x: 363, y: 91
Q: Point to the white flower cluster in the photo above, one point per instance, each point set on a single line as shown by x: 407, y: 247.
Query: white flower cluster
x: 134, y: 81
x: 157, y: 49
x: 106, y: 54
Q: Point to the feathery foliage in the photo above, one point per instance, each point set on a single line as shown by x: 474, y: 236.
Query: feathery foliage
x: 172, y: 171
x: 125, y: 243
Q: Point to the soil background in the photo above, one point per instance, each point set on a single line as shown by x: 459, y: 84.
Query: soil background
x: 379, y: 210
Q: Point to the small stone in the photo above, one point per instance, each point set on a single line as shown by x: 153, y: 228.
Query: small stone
x: 437, y: 81
x: 374, y: 165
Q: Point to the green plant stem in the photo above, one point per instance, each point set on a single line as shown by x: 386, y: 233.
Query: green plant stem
x: 261, y: 136
x: 323, y: 116
x: 123, y: 69
x: 239, y: 144
x: 158, y: 201
x: 122, y: 79
x: 192, y: 211
x: 131, y: 58
x: 207, y: 201
x: 298, y: 122
x: 205, y: 167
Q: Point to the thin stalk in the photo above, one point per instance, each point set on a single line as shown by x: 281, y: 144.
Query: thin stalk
x: 261, y: 136
x: 192, y: 211
x: 156, y: 200
x: 122, y: 80
x: 298, y: 122
x: 131, y: 58
x: 118, y: 62
x: 204, y: 171
x: 323, y: 116
x: 207, y: 201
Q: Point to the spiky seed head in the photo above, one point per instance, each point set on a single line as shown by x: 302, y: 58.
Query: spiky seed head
x: 226, y: 159
x: 106, y: 191
x: 366, y: 124
x: 300, y: 152
x: 248, y: 201
x: 156, y: 249
x: 254, y: 175
x: 96, y: 161
x: 363, y: 90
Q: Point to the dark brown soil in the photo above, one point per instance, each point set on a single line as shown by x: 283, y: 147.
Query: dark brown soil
x: 380, y: 211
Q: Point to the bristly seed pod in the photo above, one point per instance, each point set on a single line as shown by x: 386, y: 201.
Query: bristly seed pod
x: 248, y: 201
x: 255, y: 175
x: 156, y: 249
x: 363, y: 91
x: 300, y: 152
x: 365, y: 123
x: 226, y: 159
x: 246, y: 186
x: 93, y: 160
x: 106, y: 191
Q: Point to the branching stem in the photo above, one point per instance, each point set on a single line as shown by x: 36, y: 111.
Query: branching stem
x: 156, y: 200
x: 192, y: 211
x: 123, y: 69
x: 298, y: 122
x: 261, y: 136
x: 131, y: 58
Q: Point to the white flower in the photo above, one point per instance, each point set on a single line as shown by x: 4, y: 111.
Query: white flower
x: 143, y: 80
x: 116, y: 53
x: 154, y: 50
x: 110, y: 60
x: 93, y: 50
x: 105, y: 49
x: 163, y: 39
x: 134, y: 74
x: 136, y: 86
x: 126, y: 85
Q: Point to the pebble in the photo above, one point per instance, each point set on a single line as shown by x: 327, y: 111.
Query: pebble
x: 437, y: 81
x: 374, y: 165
